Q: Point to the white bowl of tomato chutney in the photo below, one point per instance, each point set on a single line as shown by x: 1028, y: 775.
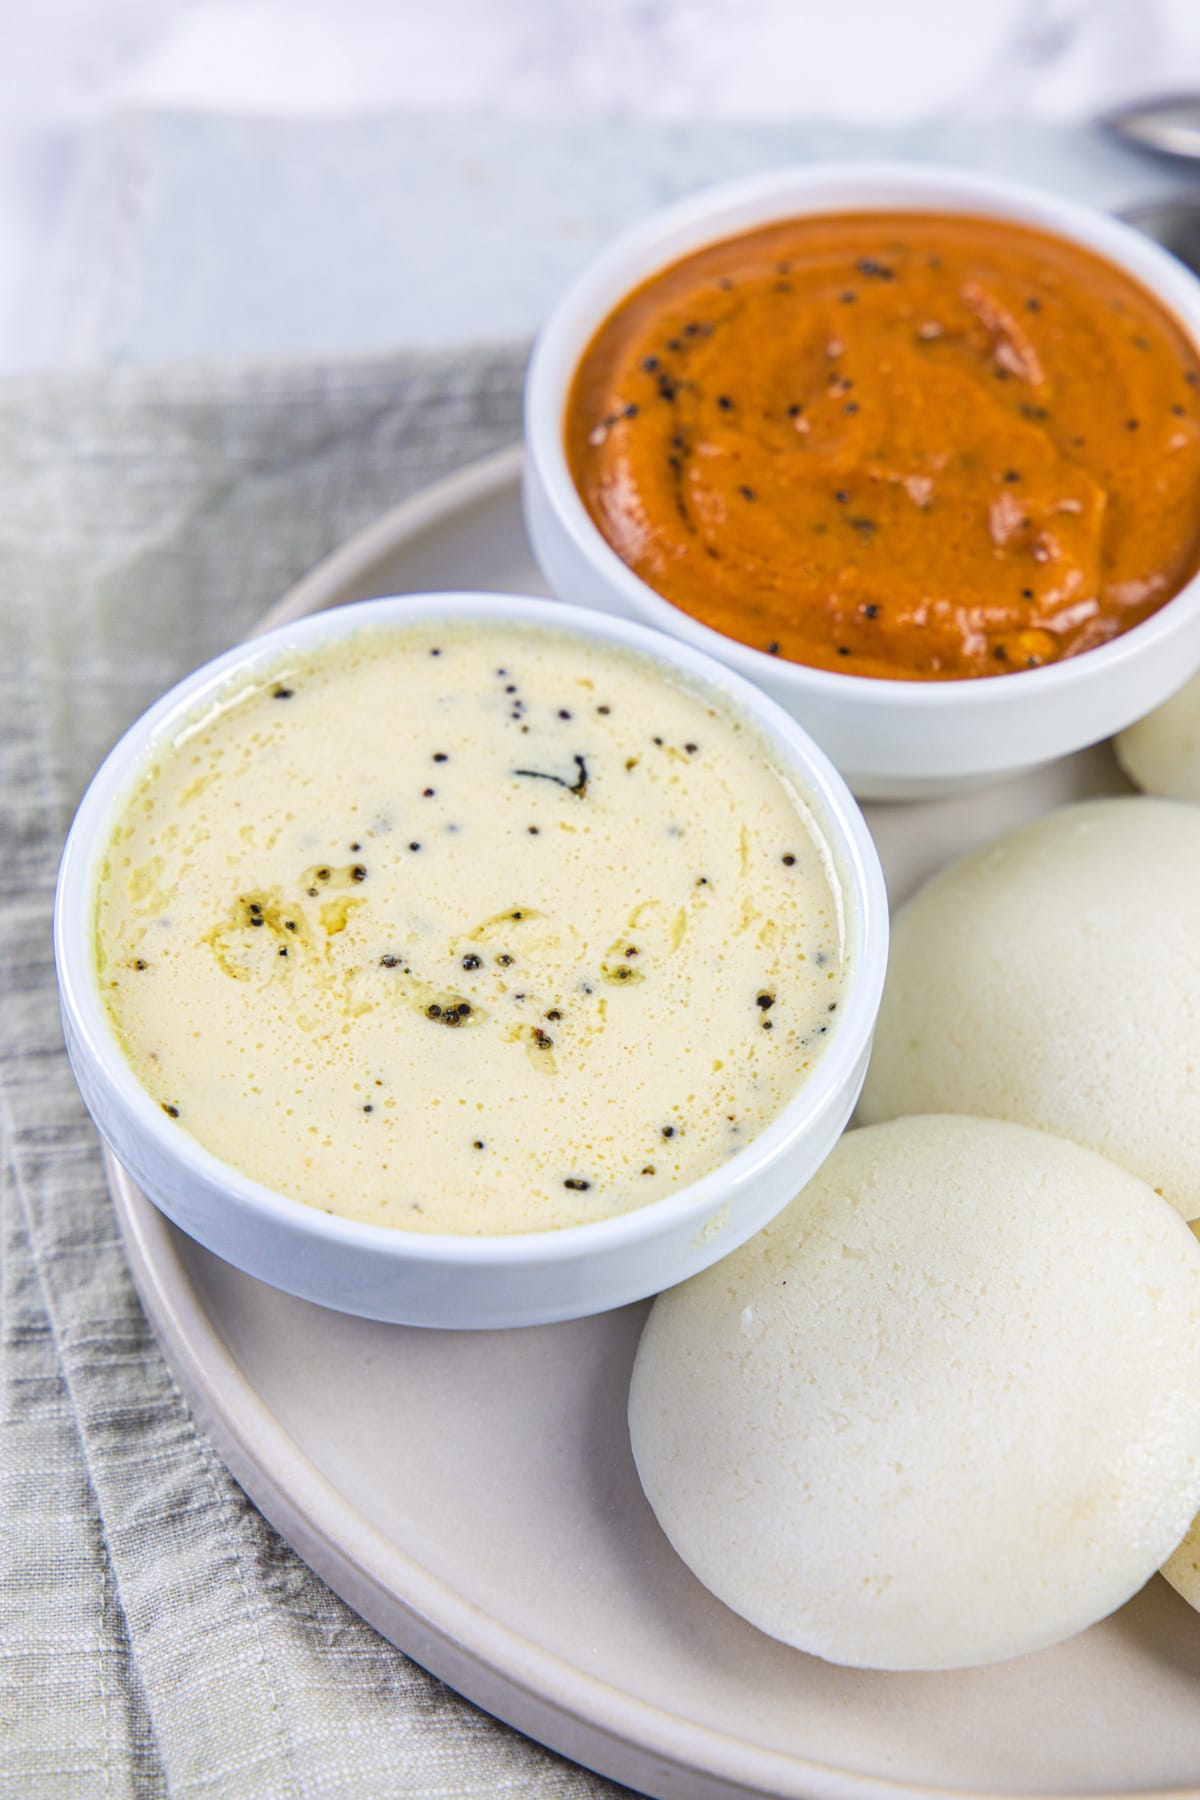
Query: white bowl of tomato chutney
x: 916, y: 451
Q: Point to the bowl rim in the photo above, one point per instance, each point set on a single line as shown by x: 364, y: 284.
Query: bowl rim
x: 712, y: 214
x: 800, y: 760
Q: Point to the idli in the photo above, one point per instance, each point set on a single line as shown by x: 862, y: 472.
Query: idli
x: 1161, y: 753
x: 943, y: 1410
x: 1182, y: 1569
x: 1053, y: 978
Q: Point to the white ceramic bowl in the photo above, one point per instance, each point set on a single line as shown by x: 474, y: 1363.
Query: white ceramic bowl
x: 890, y: 739
x: 447, y: 1280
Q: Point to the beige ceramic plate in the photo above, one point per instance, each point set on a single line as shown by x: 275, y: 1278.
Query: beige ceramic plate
x: 474, y: 1496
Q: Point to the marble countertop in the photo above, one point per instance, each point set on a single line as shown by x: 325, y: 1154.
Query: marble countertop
x: 174, y: 171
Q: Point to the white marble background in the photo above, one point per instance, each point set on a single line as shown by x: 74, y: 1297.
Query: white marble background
x: 69, y: 65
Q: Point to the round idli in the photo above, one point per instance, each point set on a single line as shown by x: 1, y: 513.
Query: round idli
x: 1053, y: 978
x: 943, y: 1410
x: 1182, y: 1568
x: 1161, y: 753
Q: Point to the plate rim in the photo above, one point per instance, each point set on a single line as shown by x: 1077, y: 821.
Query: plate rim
x: 551, y: 1700
x: 273, y: 1470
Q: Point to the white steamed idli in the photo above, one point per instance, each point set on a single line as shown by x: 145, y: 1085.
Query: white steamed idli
x: 943, y: 1410
x: 1161, y: 753
x: 1053, y: 978
x: 1182, y: 1569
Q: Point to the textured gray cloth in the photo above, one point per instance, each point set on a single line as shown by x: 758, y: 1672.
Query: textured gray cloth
x: 186, y: 232
x: 156, y: 1636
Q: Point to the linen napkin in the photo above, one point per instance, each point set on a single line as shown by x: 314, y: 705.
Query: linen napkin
x: 157, y: 1638
x: 191, y: 232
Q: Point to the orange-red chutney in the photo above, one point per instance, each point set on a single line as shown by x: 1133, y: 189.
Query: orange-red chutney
x: 898, y: 445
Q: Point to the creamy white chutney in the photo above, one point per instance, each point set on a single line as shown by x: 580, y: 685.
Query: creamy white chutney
x: 473, y: 928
